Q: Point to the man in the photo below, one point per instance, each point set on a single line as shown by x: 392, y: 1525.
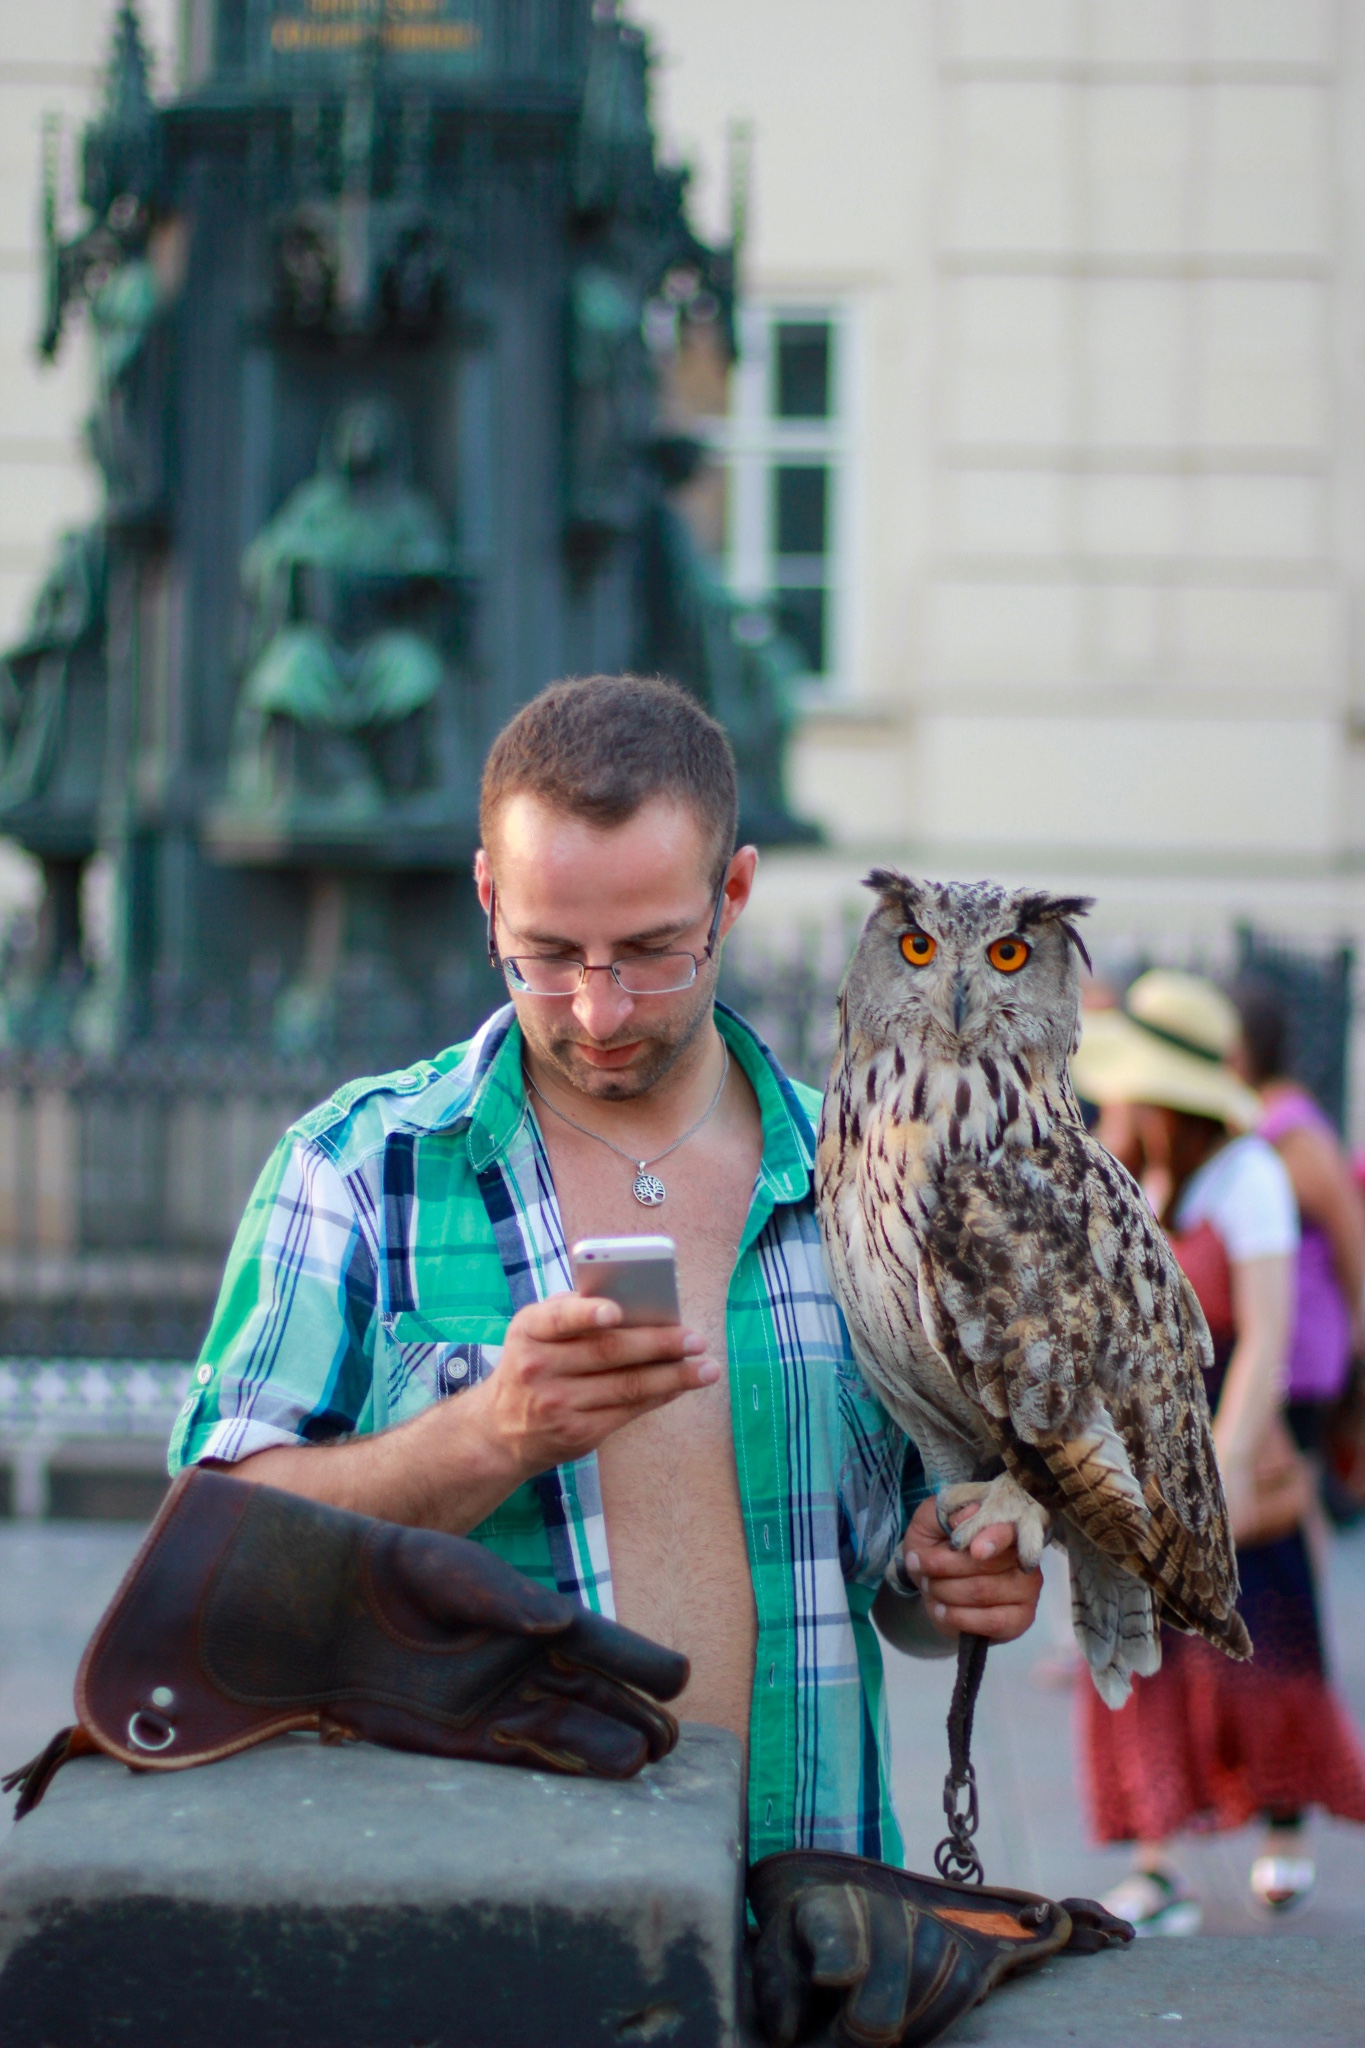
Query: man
x: 396, y: 1332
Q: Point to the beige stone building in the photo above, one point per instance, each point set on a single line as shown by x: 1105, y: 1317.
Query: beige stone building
x: 1046, y: 440
x: 1091, y: 273
x: 50, y: 59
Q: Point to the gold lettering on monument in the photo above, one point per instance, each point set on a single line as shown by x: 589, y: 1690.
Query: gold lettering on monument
x: 394, y: 24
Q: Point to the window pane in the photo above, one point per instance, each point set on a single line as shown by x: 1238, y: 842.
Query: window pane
x: 801, y: 615
x: 803, y: 370
x: 800, y: 521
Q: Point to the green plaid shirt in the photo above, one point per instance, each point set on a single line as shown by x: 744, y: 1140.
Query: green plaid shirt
x: 392, y: 1235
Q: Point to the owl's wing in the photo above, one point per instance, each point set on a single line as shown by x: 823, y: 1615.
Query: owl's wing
x: 1058, y: 1306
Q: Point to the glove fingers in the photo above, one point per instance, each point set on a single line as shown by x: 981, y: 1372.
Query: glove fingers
x: 780, y: 1981
x: 874, y: 2013
x: 570, y: 1681
x: 620, y: 1653
x: 420, y: 1577
x: 832, y: 1924
x: 1093, y: 1928
x: 546, y: 1732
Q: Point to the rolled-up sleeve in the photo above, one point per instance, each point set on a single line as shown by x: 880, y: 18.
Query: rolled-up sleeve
x: 289, y: 1357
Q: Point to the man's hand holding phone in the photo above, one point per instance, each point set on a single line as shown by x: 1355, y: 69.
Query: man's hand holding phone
x: 573, y: 1371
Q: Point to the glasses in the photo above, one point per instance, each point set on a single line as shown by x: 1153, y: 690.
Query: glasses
x: 644, y: 974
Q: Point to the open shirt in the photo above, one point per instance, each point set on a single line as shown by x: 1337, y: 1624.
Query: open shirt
x: 391, y: 1237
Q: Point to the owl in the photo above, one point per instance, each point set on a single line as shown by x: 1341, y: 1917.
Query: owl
x: 1009, y: 1294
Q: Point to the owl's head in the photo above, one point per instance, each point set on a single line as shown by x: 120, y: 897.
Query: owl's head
x: 954, y: 969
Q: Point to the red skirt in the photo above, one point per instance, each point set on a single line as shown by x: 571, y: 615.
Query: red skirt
x: 1209, y: 1744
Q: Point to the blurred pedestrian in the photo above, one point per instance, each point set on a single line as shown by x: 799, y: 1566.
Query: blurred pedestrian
x: 1206, y: 1743
x: 1331, y: 1260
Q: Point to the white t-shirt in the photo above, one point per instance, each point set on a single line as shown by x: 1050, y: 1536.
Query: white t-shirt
x: 1246, y: 1194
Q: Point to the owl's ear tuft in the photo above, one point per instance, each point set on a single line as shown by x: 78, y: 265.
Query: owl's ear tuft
x: 1041, y: 908
x: 896, y: 890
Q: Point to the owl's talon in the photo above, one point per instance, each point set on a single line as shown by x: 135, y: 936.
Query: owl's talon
x: 991, y: 1501
x: 950, y: 1501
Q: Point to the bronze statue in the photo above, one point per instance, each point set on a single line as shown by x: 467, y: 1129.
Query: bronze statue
x: 342, y: 587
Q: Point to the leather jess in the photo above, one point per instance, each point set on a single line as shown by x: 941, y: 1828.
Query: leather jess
x: 249, y: 1612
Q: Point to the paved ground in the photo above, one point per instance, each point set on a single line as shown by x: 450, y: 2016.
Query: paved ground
x: 56, y: 1578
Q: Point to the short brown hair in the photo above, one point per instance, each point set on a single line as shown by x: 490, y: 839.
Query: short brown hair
x: 597, y: 747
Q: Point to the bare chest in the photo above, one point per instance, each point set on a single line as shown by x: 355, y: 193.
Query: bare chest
x: 670, y: 1493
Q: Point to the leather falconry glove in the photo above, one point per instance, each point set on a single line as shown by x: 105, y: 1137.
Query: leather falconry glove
x: 248, y: 1612
x: 861, y: 1955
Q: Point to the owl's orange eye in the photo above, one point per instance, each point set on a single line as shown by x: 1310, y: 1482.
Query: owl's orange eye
x: 918, y: 948
x: 1008, y: 955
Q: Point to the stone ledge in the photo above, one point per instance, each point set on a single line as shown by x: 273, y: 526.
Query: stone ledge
x: 304, y: 1897
x: 1211, y: 1991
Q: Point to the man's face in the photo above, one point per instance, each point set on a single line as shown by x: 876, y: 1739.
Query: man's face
x: 571, y: 891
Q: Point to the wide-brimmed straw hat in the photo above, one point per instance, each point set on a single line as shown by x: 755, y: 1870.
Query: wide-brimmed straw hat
x: 1168, y: 1045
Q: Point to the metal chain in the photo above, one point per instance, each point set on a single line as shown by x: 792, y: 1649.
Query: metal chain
x: 955, y: 1856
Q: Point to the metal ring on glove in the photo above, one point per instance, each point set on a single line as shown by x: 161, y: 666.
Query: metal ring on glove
x: 159, y: 1732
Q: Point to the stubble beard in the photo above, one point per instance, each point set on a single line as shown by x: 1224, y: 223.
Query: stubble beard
x: 662, y: 1052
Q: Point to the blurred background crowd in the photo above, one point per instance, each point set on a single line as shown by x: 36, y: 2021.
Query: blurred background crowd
x: 978, y: 428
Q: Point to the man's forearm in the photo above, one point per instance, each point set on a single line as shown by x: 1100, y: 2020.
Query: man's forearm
x: 442, y: 1470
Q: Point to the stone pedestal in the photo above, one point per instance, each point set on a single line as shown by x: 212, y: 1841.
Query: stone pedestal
x: 303, y: 1897
x: 1214, y: 1991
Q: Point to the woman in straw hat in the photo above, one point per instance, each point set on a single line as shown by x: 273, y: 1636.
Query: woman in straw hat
x: 1207, y: 1743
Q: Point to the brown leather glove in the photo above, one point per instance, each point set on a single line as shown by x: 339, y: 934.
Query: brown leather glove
x: 866, y: 1956
x: 248, y: 1612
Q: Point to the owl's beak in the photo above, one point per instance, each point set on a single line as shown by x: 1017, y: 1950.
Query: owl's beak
x: 959, y: 1000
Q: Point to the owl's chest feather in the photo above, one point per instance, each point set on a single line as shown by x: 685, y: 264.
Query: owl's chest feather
x: 890, y: 1136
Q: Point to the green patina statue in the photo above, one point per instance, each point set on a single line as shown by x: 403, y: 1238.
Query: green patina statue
x: 437, y: 244
x: 339, y: 586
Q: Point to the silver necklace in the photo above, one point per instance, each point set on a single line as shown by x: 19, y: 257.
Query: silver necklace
x: 646, y: 1187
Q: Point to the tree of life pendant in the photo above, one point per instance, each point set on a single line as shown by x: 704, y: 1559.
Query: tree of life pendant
x: 648, y: 1188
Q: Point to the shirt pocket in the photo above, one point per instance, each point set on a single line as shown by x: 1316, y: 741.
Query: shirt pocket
x: 433, y: 1357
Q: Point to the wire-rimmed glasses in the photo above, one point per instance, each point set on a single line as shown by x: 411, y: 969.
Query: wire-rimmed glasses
x: 639, y: 974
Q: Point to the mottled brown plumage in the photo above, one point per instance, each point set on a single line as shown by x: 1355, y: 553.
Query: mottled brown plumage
x: 1010, y: 1296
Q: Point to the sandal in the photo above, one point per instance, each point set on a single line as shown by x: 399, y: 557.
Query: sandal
x: 1282, y: 1883
x: 1154, y: 1904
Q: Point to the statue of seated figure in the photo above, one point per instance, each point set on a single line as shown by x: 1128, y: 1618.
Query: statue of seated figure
x: 340, y: 585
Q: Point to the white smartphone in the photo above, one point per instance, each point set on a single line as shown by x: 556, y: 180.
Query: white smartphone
x: 641, y: 1273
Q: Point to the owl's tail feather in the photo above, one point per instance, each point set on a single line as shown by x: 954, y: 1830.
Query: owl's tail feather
x: 1115, y: 1619
x: 1194, y: 1577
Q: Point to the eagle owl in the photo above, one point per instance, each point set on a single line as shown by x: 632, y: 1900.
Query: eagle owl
x: 1009, y: 1294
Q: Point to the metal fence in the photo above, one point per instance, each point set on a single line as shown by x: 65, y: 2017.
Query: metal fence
x: 86, y: 1436
x: 148, y: 1154
x: 788, y: 988
x: 120, y: 1187
x: 1317, y: 993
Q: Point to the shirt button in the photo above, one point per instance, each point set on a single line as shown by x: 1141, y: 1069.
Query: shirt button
x: 204, y: 1375
x: 458, y: 1368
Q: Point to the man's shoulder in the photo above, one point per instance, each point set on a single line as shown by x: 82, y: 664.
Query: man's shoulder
x: 431, y: 1095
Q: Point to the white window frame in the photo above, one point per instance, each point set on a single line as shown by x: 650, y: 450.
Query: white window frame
x: 752, y: 441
